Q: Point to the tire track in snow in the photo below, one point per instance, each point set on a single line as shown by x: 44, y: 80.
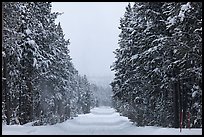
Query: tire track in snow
x: 101, y: 120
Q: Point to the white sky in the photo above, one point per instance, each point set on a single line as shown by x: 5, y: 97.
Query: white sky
x: 92, y: 28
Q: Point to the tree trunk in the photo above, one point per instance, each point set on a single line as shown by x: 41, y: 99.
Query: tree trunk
x: 176, y: 98
x: 176, y: 107
x: 29, y: 102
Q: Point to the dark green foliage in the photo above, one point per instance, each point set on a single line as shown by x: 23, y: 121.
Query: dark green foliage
x: 158, y: 67
x: 40, y: 83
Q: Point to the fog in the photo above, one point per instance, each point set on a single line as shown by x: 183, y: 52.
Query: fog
x: 92, y: 28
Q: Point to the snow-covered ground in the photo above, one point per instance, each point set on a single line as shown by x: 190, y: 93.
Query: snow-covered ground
x: 101, y: 121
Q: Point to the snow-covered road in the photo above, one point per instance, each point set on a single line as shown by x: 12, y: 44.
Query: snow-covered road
x: 101, y: 121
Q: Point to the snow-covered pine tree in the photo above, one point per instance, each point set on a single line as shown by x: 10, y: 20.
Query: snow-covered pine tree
x: 54, y: 68
x: 162, y: 70
x: 84, y: 95
x: 94, y: 96
x: 29, y: 49
x: 184, y: 25
x: 17, y: 33
x: 121, y: 65
x: 86, y: 102
x: 39, y: 79
x: 147, y: 62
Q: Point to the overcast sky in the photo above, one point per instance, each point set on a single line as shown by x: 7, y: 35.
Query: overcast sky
x: 92, y: 28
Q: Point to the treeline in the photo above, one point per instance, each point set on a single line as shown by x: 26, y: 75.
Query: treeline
x: 102, y: 95
x: 39, y: 81
x: 158, y: 66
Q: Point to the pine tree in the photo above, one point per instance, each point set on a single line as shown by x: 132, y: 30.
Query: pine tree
x: 120, y: 66
x: 184, y: 23
x: 155, y: 63
x: 31, y: 39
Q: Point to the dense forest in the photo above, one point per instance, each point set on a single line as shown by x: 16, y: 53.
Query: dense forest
x: 158, y: 66
x: 39, y: 81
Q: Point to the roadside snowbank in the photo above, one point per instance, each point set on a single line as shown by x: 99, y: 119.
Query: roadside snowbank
x: 101, y: 121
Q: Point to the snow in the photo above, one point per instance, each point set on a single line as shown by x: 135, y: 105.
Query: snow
x: 59, y: 96
x: 34, y: 62
x: 28, y: 31
x: 101, y: 121
x: 171, y: 21
x: 175, y: 50
x: 3, y: 54
x: 195, y: 90
x: 156, y: 70
x: 47, y: 63
x: 40, y: 24
x: 194, y: 94
x: 134, y: 56
x: 200, y: 29
x: 31, y: 42
x: 184, y: 8
x: 152, y: 49
x: 3, y: 78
